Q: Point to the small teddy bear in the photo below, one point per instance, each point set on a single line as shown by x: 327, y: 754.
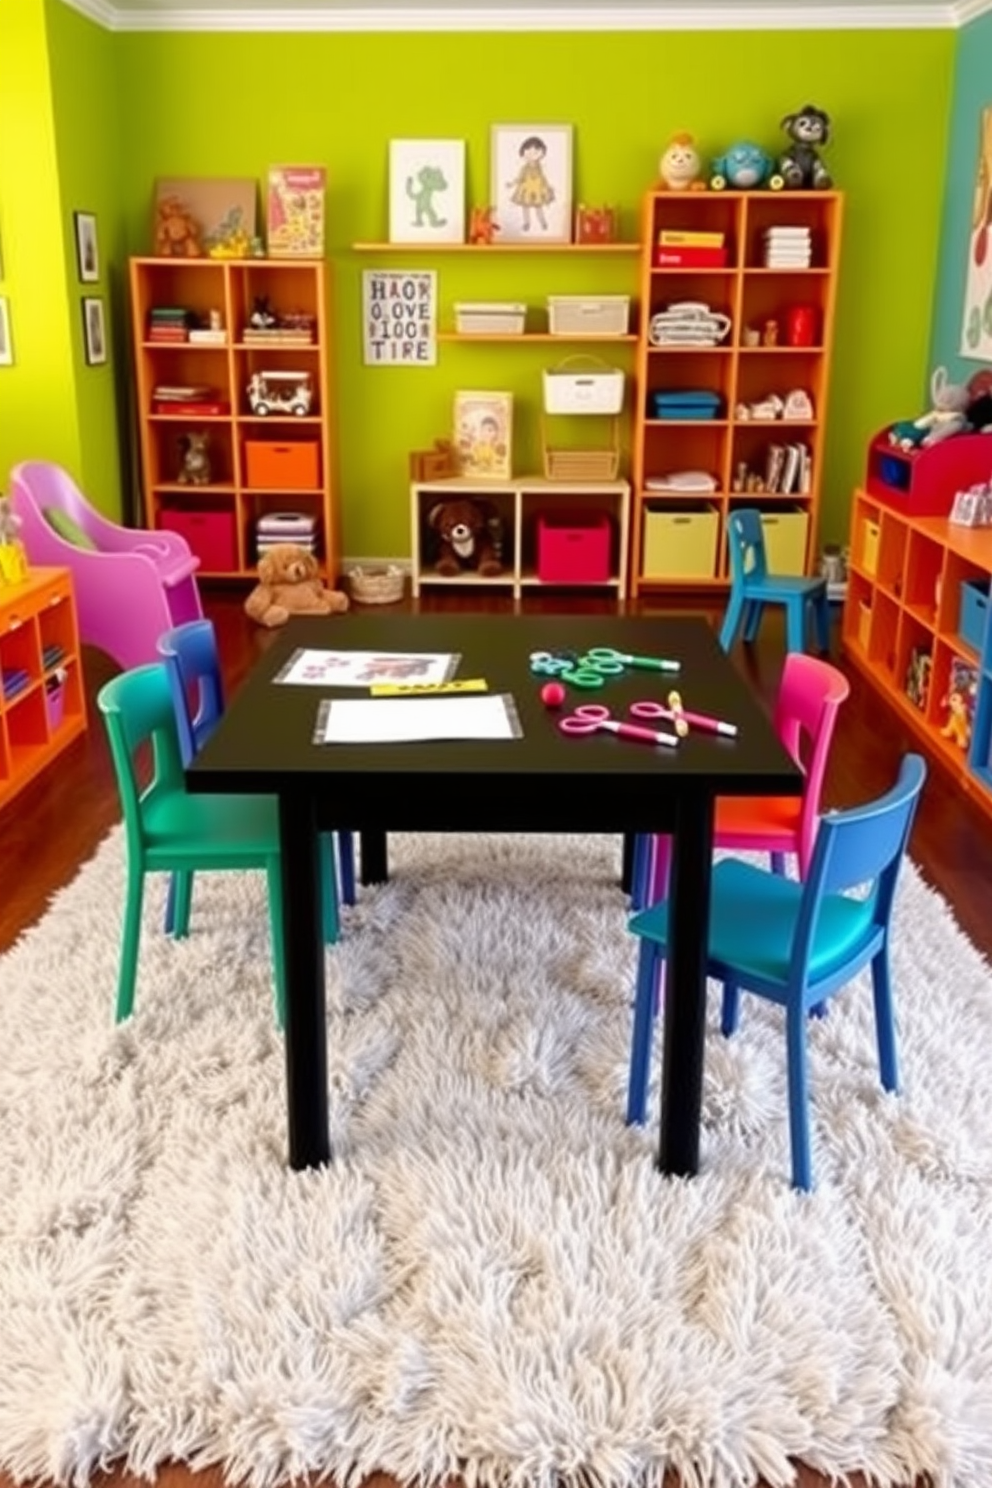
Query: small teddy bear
x: 195, y: 468
x: 469, y: 537
x: 289, y: 583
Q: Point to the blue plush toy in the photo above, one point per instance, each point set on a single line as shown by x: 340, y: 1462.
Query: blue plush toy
x: 744, y: 167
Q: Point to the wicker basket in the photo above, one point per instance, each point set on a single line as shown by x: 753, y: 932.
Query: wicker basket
x: 376, y: 585
x: 582, y: 464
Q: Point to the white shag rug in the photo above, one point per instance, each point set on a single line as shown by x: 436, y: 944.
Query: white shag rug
x: 491, y: 1279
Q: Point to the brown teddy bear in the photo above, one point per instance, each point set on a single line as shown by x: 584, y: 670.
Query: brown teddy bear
x: 289, y: 583
x: 469, y: 537
x: 177, y: 233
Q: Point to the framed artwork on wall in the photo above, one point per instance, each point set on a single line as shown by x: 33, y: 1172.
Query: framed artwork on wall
x: 6, y: 345
x: 94, y: 331
x: 87, y: 249
x: 484, y: 434
x: 531, y: 182
x: 976, y: 324
x: 426, y: 191
x: 295, y: 211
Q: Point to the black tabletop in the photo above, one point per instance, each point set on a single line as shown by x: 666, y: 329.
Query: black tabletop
x: 541, y: 781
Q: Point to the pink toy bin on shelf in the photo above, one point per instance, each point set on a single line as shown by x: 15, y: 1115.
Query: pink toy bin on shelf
x: 130, y: 584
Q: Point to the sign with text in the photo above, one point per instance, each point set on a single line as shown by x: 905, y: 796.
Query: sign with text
x: 400, y: 317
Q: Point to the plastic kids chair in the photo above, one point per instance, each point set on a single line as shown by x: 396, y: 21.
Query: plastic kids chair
x: 192, y: 661
x: 809, y: 697
x: 170, y: 831
x: 752, y: 587
x: 796, y: 944
x: 130, y: 584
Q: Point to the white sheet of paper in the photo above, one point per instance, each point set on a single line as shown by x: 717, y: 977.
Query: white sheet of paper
x: 407, y: 720
x: 363, y: 668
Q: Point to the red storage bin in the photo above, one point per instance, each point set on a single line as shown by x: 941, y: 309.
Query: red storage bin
x: 210, y: 534
x: 573, y: 547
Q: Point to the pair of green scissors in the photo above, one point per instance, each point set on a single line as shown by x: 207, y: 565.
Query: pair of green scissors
x: 566, y: 669
x: 604, y: 656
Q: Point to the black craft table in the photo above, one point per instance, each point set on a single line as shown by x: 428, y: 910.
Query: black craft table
x: 542, y: 782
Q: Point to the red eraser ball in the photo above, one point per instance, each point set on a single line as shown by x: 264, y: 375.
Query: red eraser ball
x: 552, y: 694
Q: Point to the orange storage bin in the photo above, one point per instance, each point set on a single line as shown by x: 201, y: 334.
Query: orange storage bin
x: 290, y: 466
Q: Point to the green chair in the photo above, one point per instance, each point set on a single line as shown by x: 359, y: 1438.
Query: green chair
x: 170, y: 830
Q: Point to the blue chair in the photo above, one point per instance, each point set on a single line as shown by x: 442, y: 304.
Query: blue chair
x: 795, y: 943
x: 752, y: 587
x: 192, y: 662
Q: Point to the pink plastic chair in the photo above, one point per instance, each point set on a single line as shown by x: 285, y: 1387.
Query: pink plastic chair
x: 130, y: 588
x: 809, y: 698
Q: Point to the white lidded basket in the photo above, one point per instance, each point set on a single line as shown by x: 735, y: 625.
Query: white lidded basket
x: 588, y: 315
x: 490, y: 317
x: 583, y: 384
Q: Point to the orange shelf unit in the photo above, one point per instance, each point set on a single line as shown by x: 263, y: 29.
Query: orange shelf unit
x: 735, y: 449
x: 237, y: 495
x: 909, y: 626
x: 42, y: 702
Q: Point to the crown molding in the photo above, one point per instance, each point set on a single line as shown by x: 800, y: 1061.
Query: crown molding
x: 704, y: 15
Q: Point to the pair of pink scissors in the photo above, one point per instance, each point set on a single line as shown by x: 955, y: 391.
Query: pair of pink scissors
x: 591, y: 717
x: 682, y: 719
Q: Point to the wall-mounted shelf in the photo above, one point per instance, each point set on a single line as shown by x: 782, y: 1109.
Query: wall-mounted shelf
x: 481, y: 248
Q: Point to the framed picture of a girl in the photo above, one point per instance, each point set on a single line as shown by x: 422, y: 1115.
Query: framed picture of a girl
x: 531, y: 182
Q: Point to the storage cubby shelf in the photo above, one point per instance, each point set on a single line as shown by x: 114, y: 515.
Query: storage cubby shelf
x: 219, y: 519
x: 678, y: 535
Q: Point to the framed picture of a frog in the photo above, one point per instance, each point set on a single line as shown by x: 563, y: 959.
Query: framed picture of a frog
x: 427, y: 191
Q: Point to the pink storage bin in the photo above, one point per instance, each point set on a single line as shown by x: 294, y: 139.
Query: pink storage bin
x: 210, y: 534
x: 573, y: 547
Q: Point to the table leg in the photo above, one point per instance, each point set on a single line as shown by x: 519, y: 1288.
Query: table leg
x: 685, y: 985
x: 375, y: 859
x: 627, y: 871
x: 306, y: 1029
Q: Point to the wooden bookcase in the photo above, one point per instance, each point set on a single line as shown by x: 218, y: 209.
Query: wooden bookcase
x: 219, y: 518
x: 906, y: 600
x: 39, y: 640
x: 751, y: 295
x: 522, y: 504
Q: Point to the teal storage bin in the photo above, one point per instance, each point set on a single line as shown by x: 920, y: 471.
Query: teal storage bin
x: 972, y: 611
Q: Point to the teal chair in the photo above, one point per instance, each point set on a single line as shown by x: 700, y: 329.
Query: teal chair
x: 752, y: 587
x: 795, y: 943
x: 171, y: 831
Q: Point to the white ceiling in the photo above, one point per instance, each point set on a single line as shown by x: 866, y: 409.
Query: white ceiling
x: 524, y: 15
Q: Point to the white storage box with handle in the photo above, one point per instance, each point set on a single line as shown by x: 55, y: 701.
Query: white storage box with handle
x: 583, y: 384
x: 588, y: 315
x: 490, y: 318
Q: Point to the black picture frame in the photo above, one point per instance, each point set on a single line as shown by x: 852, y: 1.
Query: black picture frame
x: 87, y: 247
x: 94, y: 331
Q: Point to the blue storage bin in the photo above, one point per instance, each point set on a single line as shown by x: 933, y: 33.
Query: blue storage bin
x: 686, y: 403
x: 972, y: 611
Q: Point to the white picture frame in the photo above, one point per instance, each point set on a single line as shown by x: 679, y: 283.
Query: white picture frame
x: 87, y: 248
x: 94, y: 331
x: 531, y: 182
x: 6, y: 344
x: 427, y: 191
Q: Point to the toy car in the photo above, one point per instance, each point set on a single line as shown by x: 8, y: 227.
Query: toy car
x: 744, y: 167
x: 280, y: 392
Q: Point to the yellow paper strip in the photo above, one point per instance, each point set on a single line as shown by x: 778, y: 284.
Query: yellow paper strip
x: 418, y: 689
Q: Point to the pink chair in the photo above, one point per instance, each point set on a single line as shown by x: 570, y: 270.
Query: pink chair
x: 809, y: 697
x: 130, y: 585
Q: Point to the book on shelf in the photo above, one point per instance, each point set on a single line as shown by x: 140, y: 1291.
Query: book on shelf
x: 671, y: 237
x: 191, y: 409
x: 689, y: 258
x: 203, y: 336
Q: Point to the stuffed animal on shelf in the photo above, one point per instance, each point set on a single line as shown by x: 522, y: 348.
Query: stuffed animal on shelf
x: 195, y: 467
x: 470, y: 536
x: 958, y: 725
x: 680, y: 167
x: 289, y: 583
x: 744, y: 167
x: 800, y: 164
x: 13, y: 559
x: 483, y: 225
x: 949, y: 415
x: 177, y: 232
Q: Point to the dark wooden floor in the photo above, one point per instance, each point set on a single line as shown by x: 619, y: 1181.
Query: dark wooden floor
x: 58, y: 821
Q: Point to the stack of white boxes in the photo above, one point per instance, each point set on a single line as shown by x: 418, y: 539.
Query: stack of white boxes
x: 285, y: 527
x: 788, y: 248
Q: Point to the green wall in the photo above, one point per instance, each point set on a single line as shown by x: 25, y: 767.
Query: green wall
x: 972, y: 93
x: 57, y: 132
x: 340, y: 99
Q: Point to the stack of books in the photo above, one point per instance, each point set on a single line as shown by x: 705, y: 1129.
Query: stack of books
x: 194, y: 401
x: 207, y: 336
x: 168, y: 323
x: 679, y: 248
x: 285, y: 527
x: 289, y: 330
x: 788, y: 248
x: 15, y: 679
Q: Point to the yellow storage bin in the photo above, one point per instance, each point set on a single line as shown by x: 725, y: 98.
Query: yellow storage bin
x: 869, y: 545
x: 864, y: 623
x: 785, y: 540
x: 680, y: 542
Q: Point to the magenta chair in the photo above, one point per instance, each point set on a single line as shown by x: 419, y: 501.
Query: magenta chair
x: 130, y: 584
x: 809, y: 698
